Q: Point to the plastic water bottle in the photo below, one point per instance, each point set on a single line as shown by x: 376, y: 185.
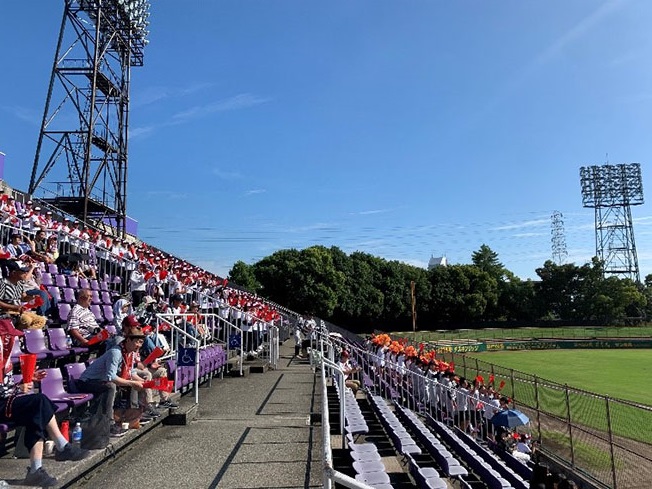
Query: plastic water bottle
x: 68, y: 342
x: 77, y: 434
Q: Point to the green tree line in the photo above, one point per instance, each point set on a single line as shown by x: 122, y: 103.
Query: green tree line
x: 362, y: 291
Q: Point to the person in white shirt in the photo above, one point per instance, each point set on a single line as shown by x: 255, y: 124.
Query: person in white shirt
x: 348, y: 369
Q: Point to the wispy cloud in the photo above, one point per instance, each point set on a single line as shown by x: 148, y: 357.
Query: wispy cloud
x: 25, y: 114
x: 578, y: 30
x: 370, y: 212
x: 528, y: 235
x: 165, y: 194
x: 237, y: 102
x: 520, y: 225
x: 226, y: 174
x: 255, y: 191
x: 153, y: 94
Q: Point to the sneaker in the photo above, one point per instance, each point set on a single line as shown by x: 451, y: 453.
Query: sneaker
x: 152, y: 412
x: 71, y: 452
x: 39, y: 478
x: 167, y: 404
x: 145, y: 420
x: 117, y: 431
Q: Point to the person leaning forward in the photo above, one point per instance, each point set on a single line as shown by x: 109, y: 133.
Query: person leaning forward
x: 113, y: 370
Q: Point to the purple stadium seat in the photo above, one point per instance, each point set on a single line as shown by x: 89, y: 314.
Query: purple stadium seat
x: 97, y: 312
x: 75, y: 370
x: 16, y: 352
x: 52, y: 387
x: 55, y: 292
x: 60, y: 280
x: 84, y: 284
x: 111, y: 329
x: 106, y: 298
x: 64, y: 311
x: 95, y: 297
x: 108, y: 313
x: 69, y: 295
x: 53, y: 269
x: 104, y: 285
x: 35, y: 342
x: 59, y: 341
x: 73, y: 282
x: 95, y: 285
x: 46, y: 279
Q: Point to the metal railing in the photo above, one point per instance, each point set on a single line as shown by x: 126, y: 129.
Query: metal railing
x: 331, y: 475
x: 609, y: 439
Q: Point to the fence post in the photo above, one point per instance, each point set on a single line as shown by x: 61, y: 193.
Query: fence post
x: 611, y: 444
x: 536, y: 400
x: 568, y: 421
x: 477, y: 367
x: 511, y: 375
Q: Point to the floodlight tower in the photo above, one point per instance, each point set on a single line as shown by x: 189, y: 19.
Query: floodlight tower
x: 82, y: 145
x: 611, y: 190
x: 558, y: 239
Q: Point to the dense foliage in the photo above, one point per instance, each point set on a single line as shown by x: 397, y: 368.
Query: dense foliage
x: 362, y: 291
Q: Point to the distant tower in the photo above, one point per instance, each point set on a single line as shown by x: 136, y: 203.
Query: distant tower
x: 82, y: 145
x: 558, y: 238
x: 611, y: 190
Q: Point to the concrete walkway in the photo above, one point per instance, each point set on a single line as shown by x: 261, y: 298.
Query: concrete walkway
x: 251, y: 432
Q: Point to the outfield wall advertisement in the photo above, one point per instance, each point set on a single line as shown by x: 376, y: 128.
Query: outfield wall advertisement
x: 545, y: 345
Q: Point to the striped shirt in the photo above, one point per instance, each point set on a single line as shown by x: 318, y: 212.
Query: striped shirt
x: 10, y: 294
x: 83, y: 319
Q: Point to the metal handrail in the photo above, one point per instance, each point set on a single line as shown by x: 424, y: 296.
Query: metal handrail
x: 331, y: 475
x: 179, y: 331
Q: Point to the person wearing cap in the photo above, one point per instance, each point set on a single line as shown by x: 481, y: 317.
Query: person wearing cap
x: 110, y: 371
x: 12, y: 294
x: 151, y: 398
x: 34, y: 412
x: 145, y: 397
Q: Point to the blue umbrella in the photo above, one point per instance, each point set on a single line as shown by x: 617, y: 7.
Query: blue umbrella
x: 510, y: 418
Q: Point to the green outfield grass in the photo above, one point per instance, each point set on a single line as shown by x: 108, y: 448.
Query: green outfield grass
x: 623, y: 374
x: 529, y: 333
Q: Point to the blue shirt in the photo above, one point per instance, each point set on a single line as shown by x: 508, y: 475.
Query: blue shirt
x: 105, y: 368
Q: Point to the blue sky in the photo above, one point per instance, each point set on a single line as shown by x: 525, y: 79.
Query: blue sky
x: 399, y: 128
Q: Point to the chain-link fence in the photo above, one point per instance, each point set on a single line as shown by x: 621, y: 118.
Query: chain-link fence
x: 608, y: 439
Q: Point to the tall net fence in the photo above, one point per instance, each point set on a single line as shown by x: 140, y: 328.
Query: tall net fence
x: 610, y: 440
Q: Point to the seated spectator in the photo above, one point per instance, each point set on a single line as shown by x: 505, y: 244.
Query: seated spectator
x: 17, y: 247
x: 121, y: 309
x: 111, y: 370
x: 35, y: 412
x: 522, y: 449
x: 82, y: 324
x: 346, y: 367
x: 12, y: 294
x: 52, y: 249
x: 32, y: 287
x: 144, y: 398
x: 153, y: 340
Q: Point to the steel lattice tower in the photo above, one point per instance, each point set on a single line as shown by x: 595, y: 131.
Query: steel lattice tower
x: 558, y: 238
x: 82, y: 146
x: 611, y: 190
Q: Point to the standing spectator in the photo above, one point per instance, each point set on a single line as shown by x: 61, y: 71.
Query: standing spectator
x: 138, y: 284
x: 297, y: 340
